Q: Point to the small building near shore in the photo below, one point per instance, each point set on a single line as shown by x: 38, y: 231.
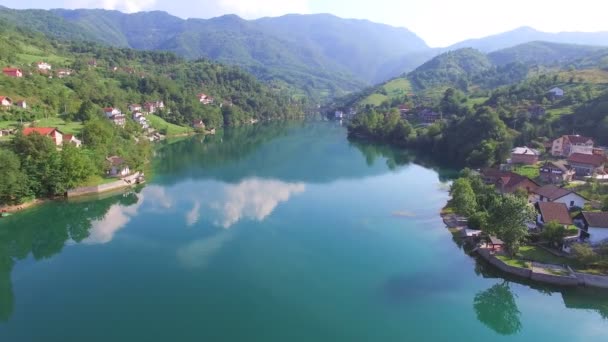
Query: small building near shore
x: 594, y: 226
x: 117, y: 167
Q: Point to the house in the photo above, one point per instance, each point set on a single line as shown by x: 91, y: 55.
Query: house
x: 135, y: 108
x: 50, y: 132
x: 566, y: 145
x: 111, y: 111
x: 5, y: 101
x: 428, y: 116
x: 551, y: 211
x: 552, y: 193
x: 594, y: 226
x: 524, y: 155
x: 536, y: 111
x: 92, y: 63
x: 556, y: 172
x: 508, y: 182
x: 21, y: 104
x: 205, y: 99
x: 43, y: 66
x: 404, y: 109
x: 12, y: 72
x: 61, y: 73
x: 72, y: 139
x: 556, y: 92
x: 117, y: 167
x: 119, y: 119
x: 141, y: 120
x: 339, y: 114
x: 587, y: 164
x: 5, y: 132
x: 198, y: 124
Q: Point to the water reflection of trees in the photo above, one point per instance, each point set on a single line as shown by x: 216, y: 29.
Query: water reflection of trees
x: 43, y: 232
x: 496, y: 308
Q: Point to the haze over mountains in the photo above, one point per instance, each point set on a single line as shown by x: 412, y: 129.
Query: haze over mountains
x: 319, y: 55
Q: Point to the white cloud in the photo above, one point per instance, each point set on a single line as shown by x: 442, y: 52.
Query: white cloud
x: 194, y: 214
x: 196, y: 254
x: 254, y: 199
x: 102, y: 231
x: 129, y: 6
x: 260, y: 8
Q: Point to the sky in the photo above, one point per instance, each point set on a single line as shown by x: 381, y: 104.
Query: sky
x: 439, y: 22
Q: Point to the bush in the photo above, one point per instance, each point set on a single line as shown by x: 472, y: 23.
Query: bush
x: 478, y: 220
x: 584, y: 253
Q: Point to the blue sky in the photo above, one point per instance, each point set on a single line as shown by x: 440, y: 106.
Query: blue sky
x: 438, y: 22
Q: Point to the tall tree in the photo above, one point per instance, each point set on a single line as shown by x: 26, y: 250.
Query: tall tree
x: 508, y: 218
x: 463, y: 197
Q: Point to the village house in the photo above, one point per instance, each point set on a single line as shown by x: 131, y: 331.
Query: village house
x: 117, y: 167
x: 92, y: 63
x: 587, y: 164
x: 508, y: 182
x: 198, y: 124
x: 404, y: 110
x: 119, y: 119
x: 556, y: 172
x: 339, y: 115
x: 5, y: 132
x: 21, y: 104
x: 566, y: 145
x: 111, y: 111
x: 594, y: 226
x: 556, y: 93
x: 524, y: 155
x: 551, y: 211
x: 5, y: 101
x: 141, y: 120
x: 50, y: 132
x: 552, y: 193
x: 61, y: 73
x: 135, y: 108
x: 12, y: 72
x: 43, y: 66
x: 72, y: 139
x: 428, y: 116
x: 205, y: 99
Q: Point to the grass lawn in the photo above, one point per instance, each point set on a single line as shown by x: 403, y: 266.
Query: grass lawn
x: 535, y: 253
x: 476, y: 101
x: 63, y: 126
x: 530, y: 171
x: 398, y: 86
x: 98, y: 180
x: 374, y: 100
x: 513, y: 262
x: 172, y: 129
x: 557, y: 112
x: 8, y: 124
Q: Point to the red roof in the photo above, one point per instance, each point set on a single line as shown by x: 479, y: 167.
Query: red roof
x: 108, y: 109
x: 11, y: 70
x: 589, y: 159
x: 67, y: 137
x: 577, y: 139
x: 555, y: 211
x: 39, y: 130
x: 4, y: 97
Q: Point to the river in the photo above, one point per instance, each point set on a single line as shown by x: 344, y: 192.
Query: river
x: 285, y: 232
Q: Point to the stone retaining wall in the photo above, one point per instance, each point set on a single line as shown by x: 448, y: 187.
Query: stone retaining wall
x: 555, y: 279
x: 119, y: 184
x: 518, y: 271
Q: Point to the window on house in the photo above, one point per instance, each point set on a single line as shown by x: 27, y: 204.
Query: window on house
x: 572, y: 203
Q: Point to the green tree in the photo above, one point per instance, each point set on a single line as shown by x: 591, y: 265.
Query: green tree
x: 507, y: 220
x: 497, y: 309
x: 76, y: 165
x: 14, y: 187
x: 554, y: 233
x: 584, y: 253
x: 463, y: 197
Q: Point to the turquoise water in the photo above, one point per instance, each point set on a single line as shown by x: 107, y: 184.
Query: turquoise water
x: 270, y: 233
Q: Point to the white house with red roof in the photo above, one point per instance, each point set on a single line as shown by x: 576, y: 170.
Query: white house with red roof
x: 567, y: 145
x: 205, y: 99
x: 21, y: 104
x: 50, y: 132
x: 111, y: 111
x: 12, y: 72
x: 43, y: 66
x: 5, y: 101
x: 587, y: 164
x: 135, y: 107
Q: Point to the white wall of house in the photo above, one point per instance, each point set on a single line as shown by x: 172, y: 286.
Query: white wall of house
x: 583, y: 149
x: 597, y: 235
x: 572, y: 200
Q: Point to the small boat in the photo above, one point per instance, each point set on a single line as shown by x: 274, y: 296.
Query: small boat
x: 5, y: 214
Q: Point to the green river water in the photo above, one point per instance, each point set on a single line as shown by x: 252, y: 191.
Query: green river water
x: 285, y: 232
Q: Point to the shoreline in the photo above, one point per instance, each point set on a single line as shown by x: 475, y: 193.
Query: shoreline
x: 572, y: 279
x: 12, y: 209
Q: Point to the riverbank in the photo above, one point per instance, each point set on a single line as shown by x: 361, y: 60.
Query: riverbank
x: 556, y: 275
x: 20, y: 207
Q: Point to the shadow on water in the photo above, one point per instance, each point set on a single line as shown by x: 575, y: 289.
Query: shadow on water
x: 496, y: 308
x: 31, y: 233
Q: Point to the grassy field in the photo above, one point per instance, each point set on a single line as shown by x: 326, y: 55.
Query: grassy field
x: 398, y: 86
x: 514, y: 261
x: 172, y: 129
x: 530, y: 171
x: 374, y: 100
x: 98, y: 180
x: 557, y: 112
x: 476, y: 101
x: 63, y: 126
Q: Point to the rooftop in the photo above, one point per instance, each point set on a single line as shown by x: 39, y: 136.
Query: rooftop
x: 39, y: 130
x: 553, y: 211
x: 552, y: 192
x: 525, y: 151
x: 589, y: 159
x: 596, y: 219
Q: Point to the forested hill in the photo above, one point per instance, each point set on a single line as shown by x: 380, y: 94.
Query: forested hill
x: 123, y: 76
x: 319, y: 55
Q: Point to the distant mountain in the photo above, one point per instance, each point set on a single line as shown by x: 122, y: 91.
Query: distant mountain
x: 318, y: 54
x: 544, y: 53
x: 527, y: 34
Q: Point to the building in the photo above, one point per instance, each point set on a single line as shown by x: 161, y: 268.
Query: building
x: 428, y: 116
x: 556, y: 172
x: 21, y: 104
x: 198, y: 124
x: 552, y: 193
x: 117, y: 167
x: 50, y: 132
x: 524, y: 155
x: 135, y: 108
x: 43, y: 66
x: 72, y: 139
x: 61, y: 73
x: 141, y: 120
x: 556, y: 92
x: 92, y: 63
x: 119, y: 119
x: 12, y: 72
x: 550, y: 211
x: 594, y: 226
x: 339, y: 115
x: 111, y: 111
x: 404, y: 109
x: 205, y: 99
x: 566, y: 145
x: 508, y: 182
x: 5, y: 101
x: 587, y: 164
